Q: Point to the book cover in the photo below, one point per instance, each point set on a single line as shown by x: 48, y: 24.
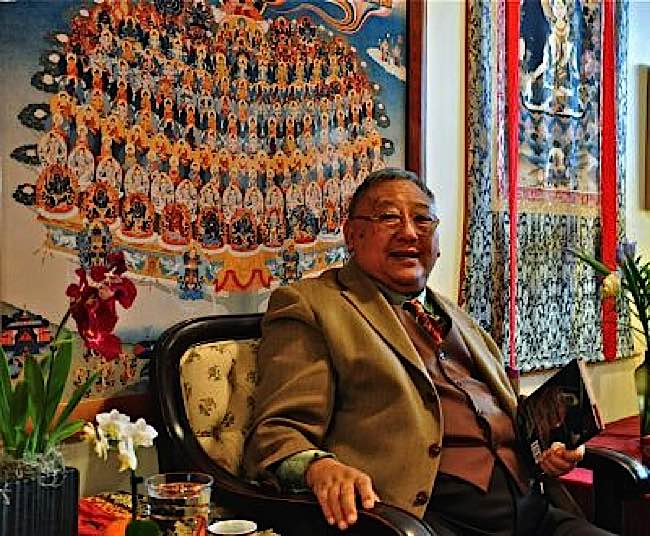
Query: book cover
x: 562, y: 409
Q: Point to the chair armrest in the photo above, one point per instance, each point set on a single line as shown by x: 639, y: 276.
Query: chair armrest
x: 630, y: 474
x: 616, y: 477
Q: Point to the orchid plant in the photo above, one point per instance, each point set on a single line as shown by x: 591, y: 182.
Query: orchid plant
x: 631, y: 278
x: 30, y: 425
x: 115, y: 430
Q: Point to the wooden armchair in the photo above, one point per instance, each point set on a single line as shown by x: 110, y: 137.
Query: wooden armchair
x: 180, y: 447
x: 183, y: 444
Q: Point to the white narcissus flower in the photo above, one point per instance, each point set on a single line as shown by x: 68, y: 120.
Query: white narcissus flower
x: 113, y: 424
x: 142, y: 434
x: 126, y: 455
x: 611, y: 285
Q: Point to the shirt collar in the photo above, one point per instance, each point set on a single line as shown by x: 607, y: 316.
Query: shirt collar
x: 397, y: 298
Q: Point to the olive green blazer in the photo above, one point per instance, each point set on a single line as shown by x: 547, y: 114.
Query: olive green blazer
x: 339, y: 373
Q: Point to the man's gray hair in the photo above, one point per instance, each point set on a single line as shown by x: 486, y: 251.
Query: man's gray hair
x: 384, y: 175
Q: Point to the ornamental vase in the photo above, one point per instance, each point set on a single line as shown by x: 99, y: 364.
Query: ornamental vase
x: 44, y: 506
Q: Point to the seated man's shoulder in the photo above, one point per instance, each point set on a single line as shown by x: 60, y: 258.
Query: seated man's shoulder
x: 327, y: 280
x: 313, y: 290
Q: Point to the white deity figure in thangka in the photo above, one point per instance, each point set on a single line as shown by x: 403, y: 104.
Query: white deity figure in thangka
x: 232, y: 200
x: 136, y: 180
x: 52, y: 149
x: 209, y: 195
x: 295, y: 196
x: 109, y: 171
x: 274, y: 198
x: 314, y: 197
x: 82, y: 162
x: 254, y: 202
x: 556, y: 170
x: 273, y: 227
x: 332, y: 191
x: 186, y: 195
x: 558, y: 93
x: 162, y: 190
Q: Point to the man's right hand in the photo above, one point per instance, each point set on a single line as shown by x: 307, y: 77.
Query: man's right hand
x: 335, y: 486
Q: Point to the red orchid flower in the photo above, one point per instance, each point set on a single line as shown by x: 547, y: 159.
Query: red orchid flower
x: 92, y: 304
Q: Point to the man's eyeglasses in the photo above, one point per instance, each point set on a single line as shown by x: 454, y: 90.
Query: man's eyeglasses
x: 423, y: 223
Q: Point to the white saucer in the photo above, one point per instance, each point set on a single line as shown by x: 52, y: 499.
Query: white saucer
x: 231, y: 527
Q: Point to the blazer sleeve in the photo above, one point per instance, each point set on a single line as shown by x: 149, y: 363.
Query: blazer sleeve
x: 294, y: 399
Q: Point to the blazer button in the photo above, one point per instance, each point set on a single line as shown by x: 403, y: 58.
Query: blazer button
x: 420, y: 499
x: 434, y: 450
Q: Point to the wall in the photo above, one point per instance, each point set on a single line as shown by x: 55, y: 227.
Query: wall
x: 445, y: 142
x: 445, y: 138
x: 638, y: 219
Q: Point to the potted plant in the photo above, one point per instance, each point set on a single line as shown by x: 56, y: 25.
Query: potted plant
x: 631, y: 278
x: 38, y: 494
x: 116, y: 431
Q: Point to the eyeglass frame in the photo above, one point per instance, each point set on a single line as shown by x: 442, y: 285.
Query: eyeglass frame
x: 434, y: 221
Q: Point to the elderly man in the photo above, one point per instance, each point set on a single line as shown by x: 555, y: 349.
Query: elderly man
x: 372, y: 385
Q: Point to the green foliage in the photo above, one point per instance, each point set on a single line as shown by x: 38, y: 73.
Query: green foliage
x: 634, y: 277
x: 28, y: 409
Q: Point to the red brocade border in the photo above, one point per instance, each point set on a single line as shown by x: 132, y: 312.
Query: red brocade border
x: 608, y: 198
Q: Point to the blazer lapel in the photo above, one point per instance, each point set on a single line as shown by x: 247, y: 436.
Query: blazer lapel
x: 363, y: 294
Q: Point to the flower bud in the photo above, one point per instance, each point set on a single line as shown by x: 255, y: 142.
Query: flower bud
x: 611, y: 285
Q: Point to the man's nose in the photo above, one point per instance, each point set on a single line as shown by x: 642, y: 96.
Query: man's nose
x: 407, y: 227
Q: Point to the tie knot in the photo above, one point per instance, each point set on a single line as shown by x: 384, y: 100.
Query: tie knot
x: 414, y: 306
x: 428, y: 323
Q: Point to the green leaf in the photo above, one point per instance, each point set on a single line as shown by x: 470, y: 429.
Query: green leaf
x: 75, y: 399
x: 57, y: 378
x: 5, y: 398
x: 36, y: 397
x: 64, y: 431
x: 598, y: 266
x: 19, y: 407
x: 22, y: 443
x: 143, y: 527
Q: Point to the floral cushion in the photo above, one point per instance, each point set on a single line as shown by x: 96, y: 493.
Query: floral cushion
x: 218, y: 380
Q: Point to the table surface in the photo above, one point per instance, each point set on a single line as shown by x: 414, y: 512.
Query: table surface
x: 622, y: 436
x: 98, y: 511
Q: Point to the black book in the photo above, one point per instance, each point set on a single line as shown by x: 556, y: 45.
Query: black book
x: 562, y: 409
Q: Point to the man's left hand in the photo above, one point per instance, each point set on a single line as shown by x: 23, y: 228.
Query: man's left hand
x: 558, y: 460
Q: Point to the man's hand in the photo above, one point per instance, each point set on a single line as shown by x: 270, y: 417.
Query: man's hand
x: 557, y: 460
x: 335, y: 486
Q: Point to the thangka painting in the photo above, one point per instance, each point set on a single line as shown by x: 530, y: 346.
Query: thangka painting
x: 558, y: 181
x: 215, y: 143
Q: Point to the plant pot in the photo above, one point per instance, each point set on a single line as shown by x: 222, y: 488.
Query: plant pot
x: 33, y: 508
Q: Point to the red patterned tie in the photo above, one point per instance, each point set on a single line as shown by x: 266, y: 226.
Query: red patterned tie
x: 428, y: 323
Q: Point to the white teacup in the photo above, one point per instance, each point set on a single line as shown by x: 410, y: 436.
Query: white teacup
x: 232, y: 527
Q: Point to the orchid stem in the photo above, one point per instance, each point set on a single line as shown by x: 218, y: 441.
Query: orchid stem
x: 135, y: 480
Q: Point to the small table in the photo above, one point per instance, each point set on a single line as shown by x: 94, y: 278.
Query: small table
x: 98, y: 511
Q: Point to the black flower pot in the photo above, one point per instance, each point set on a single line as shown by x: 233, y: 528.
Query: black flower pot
x: 29, y: 507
